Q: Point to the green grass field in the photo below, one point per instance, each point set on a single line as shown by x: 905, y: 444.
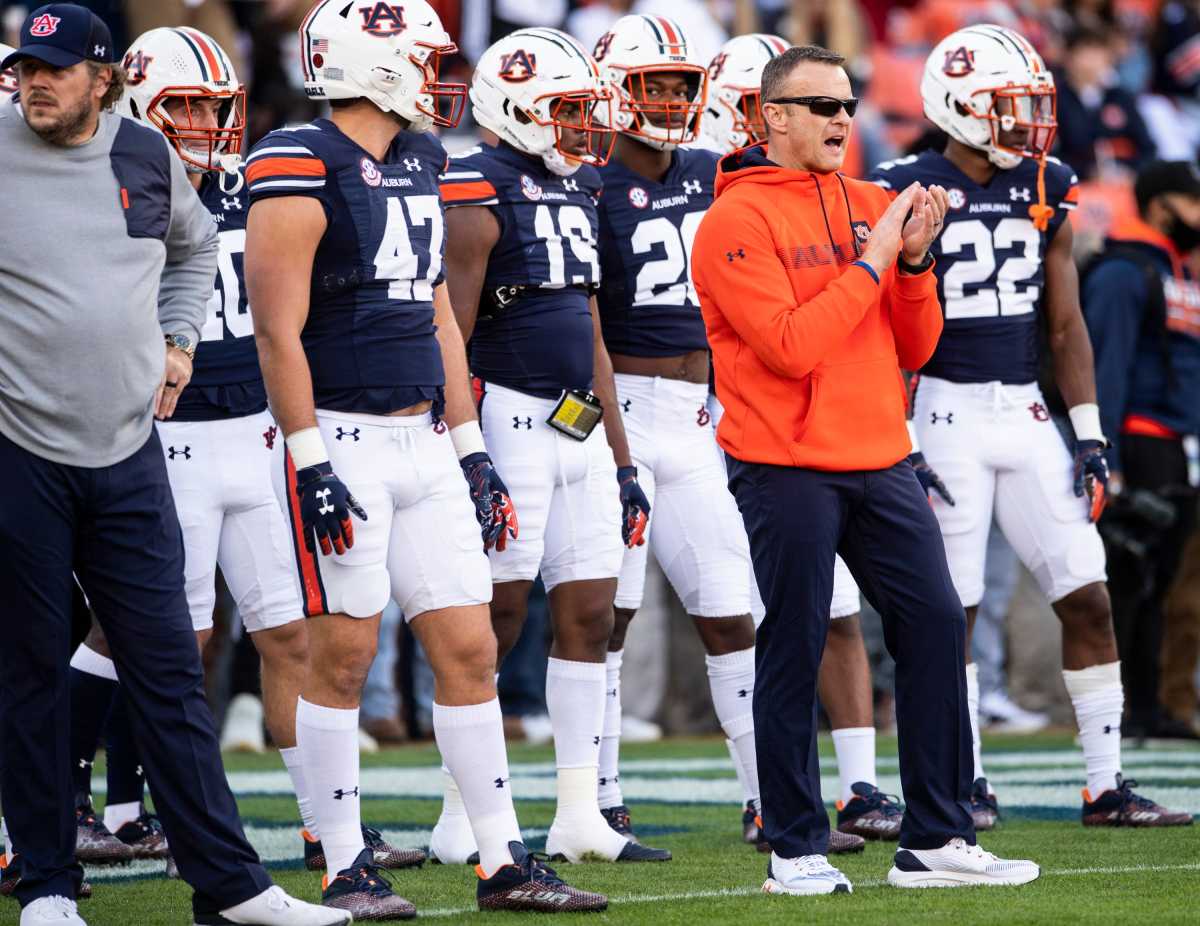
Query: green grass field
x: 684, y: 797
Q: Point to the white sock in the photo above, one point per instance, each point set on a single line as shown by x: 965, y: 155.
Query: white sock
x: 295, y: 767
x: 610, y: 738
x: 9, y: 851
x: 747, y: 797
x: 471, y: 741
x: 327, y: 738
x: 89, y: 661
x: 973, y: 711
x: 117, y: 815
x: 1099, y: 701
x: 855, y: 750
x: 575, y: 702
x: 452, y: 802
x: 731, y: 681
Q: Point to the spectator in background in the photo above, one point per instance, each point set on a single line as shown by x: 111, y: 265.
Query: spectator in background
x: 1099, y: 127
x: 1172, y: 111
x: 1142, y: 307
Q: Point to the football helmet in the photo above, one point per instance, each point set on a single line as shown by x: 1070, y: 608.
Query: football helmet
x: 987, y: 87
x: 8, y: 79
x: 388, y: 53
x: 185, y: 64
x: 534, y: 83
x: 635, y: 48
x: 733, y: 117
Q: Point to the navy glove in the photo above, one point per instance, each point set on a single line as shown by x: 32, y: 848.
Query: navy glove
x: 635, y: 507
x: 930, y: 481
x: 325, y: 506
x: 493, y: 507
x: 1091, y: 475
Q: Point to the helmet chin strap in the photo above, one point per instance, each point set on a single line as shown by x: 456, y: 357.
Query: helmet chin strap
x: 229, y: 171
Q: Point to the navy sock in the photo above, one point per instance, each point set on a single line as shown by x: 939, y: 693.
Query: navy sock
x: 91, y: 698
x: 126, y: 782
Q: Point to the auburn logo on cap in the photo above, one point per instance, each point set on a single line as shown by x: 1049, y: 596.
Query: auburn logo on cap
x: 44, y: 25
x: 518, y: 66
x: 959, y: 63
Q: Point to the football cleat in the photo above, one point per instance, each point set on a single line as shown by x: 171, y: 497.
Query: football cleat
x: 751, y: 832
x: 366, y: 892
x: 619, y: 821
x: 274, y: 907
x: 958, y: 864
x: 984, y: 809
x: 85, y: 890
x: 528, y: 884
x: 808, y: 874
x: 845, y: 843
x: 94, y: 844
x: 10, y: 874
x: 870, y: 814
x: 1121, y: 807
x: 386, y: 855
x: 145, y: 836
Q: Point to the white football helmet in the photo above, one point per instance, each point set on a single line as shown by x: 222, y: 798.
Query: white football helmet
x: 635, y: 48
x: 534, y: 83
x: 8, y: 79
x: 733, y: 117
x: 388, y: 53
x: 987, y: 87
x: 185, y: 64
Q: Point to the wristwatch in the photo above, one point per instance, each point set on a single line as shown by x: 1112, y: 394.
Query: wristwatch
x: 905, y: 267
x: 181, y: 342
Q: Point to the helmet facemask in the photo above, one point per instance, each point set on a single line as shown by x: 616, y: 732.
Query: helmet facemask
x: 201, y: 148
x: 441, y: 101
x: 585, y: 115
x: 1023, y: 120
x: 659, y: 123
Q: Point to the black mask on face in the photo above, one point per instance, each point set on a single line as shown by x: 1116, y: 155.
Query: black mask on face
x: 1184, y: 236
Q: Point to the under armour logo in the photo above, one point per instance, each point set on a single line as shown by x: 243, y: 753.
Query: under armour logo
x: 612, y: 692
x: 269, y: 436
x: 519, y: 422
x: 626, y: 405
x: 84, y: 763
x: 323, y: 498
x: 1018, y: 194
x: 234, y: 202
x: 99, y: 50
x: 934, y: 417
x: 1108, y: 728
x: 692, y: 186
x: 595, y: 741
x: 609, y: 781
x: 351, y: 433
x: 411, y: 164
x: 138, y: 771
x: 730, y: 255
x: 745, y: 692
x: 339, y: 793
x: 1039, y: 412
x: 499, y: 782
x: 186, y: 452
x: 571, y: 185
x: 702, y: 417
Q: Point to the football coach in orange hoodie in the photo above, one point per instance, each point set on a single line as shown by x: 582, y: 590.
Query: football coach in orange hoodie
x: 816, y: 290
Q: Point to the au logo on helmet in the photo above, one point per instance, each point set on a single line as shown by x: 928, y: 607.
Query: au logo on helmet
x: 959, y: 63
x: 603, y: 46
x: 518, y: 66
x: 136, y: 67
x: 383, y: 19
x: 717, y: 65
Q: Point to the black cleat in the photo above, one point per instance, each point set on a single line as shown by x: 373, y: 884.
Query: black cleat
x: 634, y: 851
x: 1121, y: 807
x: 870, y: 814
x: 528, y: 884
x: 366, y: 892
x: 10, y: 874
x: 386, y: 855
x: 618, y: 820
x: 751, y: 831
x: 985, y: 811
x: 145, y: 837
x: 94, y: 844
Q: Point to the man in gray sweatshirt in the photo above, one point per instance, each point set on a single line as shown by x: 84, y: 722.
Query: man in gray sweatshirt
x: 107, y: 260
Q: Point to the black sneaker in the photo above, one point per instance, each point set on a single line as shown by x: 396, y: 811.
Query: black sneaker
x: 366, y: 892
x: 618, y: 820
x: 145, y: 837
x: 10, y: 874
x: 985, y: 811
x: 528, y: 884
x: 870, y: 814
x: 1121, y: 807
x: 386, y: 855
x: 751, y: 832
x: 94, y: 844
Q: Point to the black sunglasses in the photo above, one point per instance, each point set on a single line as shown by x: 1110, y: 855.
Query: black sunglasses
x: 826, y: 106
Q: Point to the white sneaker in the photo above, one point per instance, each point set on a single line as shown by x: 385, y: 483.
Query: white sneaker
x: 958, y: 864
x: 585, y: 840
x: 537, y: 729
x: 243, y: 730
x: 452, y: 841
x: 273, y: 907
x: 636, y: 730
x: 367, y: 744
x: 807, y: 874
x: 51, y: 911
x: 998, y: 712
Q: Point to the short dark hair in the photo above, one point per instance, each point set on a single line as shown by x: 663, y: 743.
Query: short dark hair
x: 779, y: 67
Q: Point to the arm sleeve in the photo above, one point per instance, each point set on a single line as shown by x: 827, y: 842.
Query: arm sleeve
x: 736, y: 266
x: 191, y: 267
x: 1113, y: 300
x: 916, y: 316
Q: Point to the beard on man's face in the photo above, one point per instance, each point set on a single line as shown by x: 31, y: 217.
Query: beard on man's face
x: 65, y: 123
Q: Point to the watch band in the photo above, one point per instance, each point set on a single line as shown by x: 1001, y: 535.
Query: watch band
x: 905, y: 267
x: 180, y: 342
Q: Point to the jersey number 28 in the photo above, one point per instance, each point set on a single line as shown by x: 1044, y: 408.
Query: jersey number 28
x: 673, y: 269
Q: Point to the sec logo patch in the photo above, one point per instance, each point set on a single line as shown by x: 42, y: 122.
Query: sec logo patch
x: 638, y: 198
x: 956, y: 197
x: 370, y: 173
x: 529, y: 188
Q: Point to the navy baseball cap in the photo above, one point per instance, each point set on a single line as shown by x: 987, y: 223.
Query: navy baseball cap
x: 63, y: 34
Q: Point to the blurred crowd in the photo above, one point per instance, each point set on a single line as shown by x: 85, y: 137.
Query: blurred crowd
x: 1128, y: 79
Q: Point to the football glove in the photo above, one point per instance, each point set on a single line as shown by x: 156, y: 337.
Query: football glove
x: 930, y: 481
x: 1091, y: 475
x: 635, y: 507
x: 325, y: 507
x: 494, y: 508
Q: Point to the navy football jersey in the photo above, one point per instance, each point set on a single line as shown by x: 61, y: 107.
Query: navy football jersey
x: 226, y: 381
x: 542, y: 343
x: 369, y: 337
x: 648, y: 305
x: 990, y: 264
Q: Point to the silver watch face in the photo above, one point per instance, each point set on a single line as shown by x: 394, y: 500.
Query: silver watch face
x: 182, y: 341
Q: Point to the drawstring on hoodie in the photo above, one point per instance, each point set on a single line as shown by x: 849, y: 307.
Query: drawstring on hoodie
x: 849, y: 216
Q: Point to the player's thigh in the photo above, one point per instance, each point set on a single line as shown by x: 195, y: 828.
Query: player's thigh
x: 846, y: 598
x: 583, y: 527
x: 1043, y: 520
x: 435, y: 558
x: 631, y: 583
x: 354, y: 582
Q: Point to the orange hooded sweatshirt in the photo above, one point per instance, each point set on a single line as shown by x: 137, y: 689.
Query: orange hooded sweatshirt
x: 807, y: 345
